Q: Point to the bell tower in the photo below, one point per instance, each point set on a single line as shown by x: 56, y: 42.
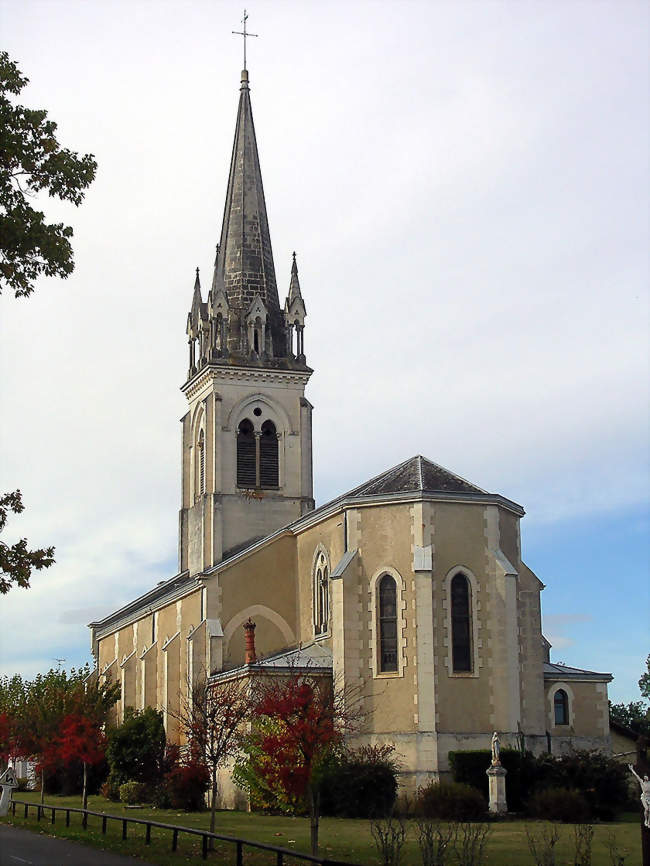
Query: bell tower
x: 246, y: 455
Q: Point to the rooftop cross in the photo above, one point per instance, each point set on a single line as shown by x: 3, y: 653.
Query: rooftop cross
x: 244, y: 33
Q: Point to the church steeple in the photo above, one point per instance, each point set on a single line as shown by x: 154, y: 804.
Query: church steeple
x: 244, y: 269
x: 247, y: 466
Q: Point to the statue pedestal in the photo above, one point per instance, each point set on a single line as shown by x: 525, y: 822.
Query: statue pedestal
x: 497, y: 783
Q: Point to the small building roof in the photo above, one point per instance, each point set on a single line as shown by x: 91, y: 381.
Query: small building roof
x: 564, y: 672
x: 311, y: 658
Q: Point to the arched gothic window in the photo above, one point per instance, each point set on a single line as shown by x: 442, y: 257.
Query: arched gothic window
x: 268, y: 455
x: 201, y: 462
x: 387, y: 590
x: 246, y: 455
x: 321, y: 595
x: 561, y: 707
x: 461, y: 624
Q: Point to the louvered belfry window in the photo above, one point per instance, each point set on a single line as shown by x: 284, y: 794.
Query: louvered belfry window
x: 246, y: 455
x: 460, y: 624
x: 268, y: 455
x: 388, y: 623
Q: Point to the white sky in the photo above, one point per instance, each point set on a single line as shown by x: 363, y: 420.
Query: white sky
x: 465, y: 184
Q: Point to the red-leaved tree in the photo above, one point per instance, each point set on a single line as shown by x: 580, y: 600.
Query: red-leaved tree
x: 81, y: 739
x: 308, y: 720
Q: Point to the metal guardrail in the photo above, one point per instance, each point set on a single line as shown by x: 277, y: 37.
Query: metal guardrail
x: 206, y: 836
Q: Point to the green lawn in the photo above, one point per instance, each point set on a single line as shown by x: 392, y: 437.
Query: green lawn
x: 340, y: 839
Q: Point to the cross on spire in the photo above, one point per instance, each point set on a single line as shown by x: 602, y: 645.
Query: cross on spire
x: 244, y: 33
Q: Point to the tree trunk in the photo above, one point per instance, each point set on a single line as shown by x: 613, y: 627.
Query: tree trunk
x: 314, y: 814
x: 213, y: 806
x: 84, y: 794
x: 42, y: 786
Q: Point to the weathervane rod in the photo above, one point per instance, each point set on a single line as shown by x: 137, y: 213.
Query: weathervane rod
x: 245, y: 34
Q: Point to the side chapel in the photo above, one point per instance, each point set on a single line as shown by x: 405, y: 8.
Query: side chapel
x: 409, y: 587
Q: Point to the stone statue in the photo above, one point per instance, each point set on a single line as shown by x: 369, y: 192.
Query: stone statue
x: 645, y: 794
x: 496, y: 750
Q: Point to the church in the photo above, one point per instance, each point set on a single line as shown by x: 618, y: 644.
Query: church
x: 409, y: 588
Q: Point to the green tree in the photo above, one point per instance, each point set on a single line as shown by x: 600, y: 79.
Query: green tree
x: 636, y: 714
x: 32, y: 161
x: 17, y: 561
x: 136, y: 748
x: 633, y: 715
x: 644, y: 682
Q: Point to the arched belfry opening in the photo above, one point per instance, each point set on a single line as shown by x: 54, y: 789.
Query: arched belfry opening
x: 269, y: 460
x: 246, y: 455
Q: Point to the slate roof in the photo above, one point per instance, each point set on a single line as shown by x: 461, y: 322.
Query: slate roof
x: 415, y: 475
x: 564, y: 672
x: 313, y: 657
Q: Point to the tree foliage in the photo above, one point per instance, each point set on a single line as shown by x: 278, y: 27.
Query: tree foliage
x: 636, y: 714
x: 55, y: 719
x: 304, y: 720
x: 136, y: 748
x: 16, y: 561
x: 644, y: 681
x: 32, y: 161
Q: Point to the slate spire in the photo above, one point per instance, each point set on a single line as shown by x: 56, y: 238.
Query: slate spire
x: 294, y: 285
x: 195, y: 313
x: 244, y: 266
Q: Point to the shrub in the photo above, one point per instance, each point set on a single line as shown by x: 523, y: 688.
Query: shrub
x: 186, y: 785
x: 542, y: 843
x: 111, y: 788
x: 560, y: 804
x: 601, y: 780
x: 360, y: 783
x: 469, y: 768
x: 389, y: 835
x: 471, y: 844
x: 450, y: 801
x: 583, y: 837
x: 133, y: 792
x: 23, y: 784
x: 136, y: 749
x: 436, y: 841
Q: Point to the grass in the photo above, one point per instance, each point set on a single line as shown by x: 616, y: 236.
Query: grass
x: 340, y: 839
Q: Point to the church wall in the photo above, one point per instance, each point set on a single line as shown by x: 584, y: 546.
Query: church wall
x: 463, y: 701
x: 328, y: 536
x: 151, y: 675
x: 262, y: 586
x: 533, y: 715
x: 588, y: 726
x: 509, y: 536
x: 384, y: 541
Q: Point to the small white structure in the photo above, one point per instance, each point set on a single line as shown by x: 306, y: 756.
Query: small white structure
x: 8, y: 783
